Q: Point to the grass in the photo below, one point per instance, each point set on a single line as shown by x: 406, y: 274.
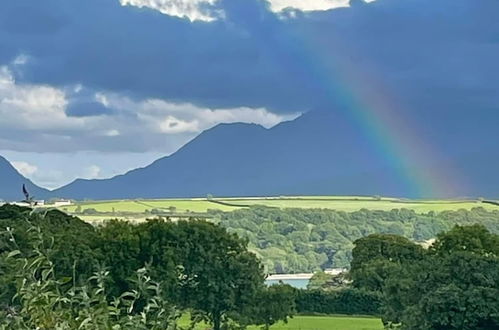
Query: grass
x: 319, y: 323
x: 329, y: 323
x: 136, y: 209
x: 140, y: 206
x: 355, y: 204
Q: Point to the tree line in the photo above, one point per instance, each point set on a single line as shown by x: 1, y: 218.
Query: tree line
x: 310, y: 240
x: 58, y: 272
x: 454, y: 284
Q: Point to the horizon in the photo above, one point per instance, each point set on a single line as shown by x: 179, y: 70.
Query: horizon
x: 95, y: 90
x: 159, y: 159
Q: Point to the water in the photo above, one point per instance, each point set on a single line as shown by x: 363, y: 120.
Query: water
x: 297, y: 283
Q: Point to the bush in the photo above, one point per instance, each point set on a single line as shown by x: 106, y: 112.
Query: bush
x: 346, y: 301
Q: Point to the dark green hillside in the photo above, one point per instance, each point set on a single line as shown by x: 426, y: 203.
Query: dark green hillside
x: 301, y: 240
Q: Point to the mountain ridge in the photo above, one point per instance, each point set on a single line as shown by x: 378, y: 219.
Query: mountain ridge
x: 318, y: 153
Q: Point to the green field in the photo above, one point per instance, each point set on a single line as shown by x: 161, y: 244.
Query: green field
x: 140, y: 206
x: 319, y: 323
x: 355, y: 204
x: 134, y: 208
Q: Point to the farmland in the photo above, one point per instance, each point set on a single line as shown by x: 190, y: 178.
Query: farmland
x: 140, y: 209
x: 304, y: 234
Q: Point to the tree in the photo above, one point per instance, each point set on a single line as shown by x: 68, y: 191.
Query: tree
x: 48, y: 301
x: 212, y: 271
x: 73, y: 243
x: 120, y: 248
x: 377, y: 256
x: 323, y: 281
x: 273, y: 304
x: 456, y: 286
x: 90, y: 211
x: 474, y: 239
x: 349, y: 301
x: 457, y: 291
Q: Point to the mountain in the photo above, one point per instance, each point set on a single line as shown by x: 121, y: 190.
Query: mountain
x: 318, y: 153
x: 11, y: 182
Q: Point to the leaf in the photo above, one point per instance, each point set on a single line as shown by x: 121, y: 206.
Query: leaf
x: 85, y: 322
x: 14, y: 253
x: 65, y: 280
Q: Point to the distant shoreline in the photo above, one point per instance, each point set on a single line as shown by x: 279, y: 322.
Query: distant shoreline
x: 284, y: 277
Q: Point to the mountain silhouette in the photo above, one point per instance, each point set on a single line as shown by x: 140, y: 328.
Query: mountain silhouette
x: 11, y: 183
x: 319, y: 153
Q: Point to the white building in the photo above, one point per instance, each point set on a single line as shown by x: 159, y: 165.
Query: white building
x: 62, y: 202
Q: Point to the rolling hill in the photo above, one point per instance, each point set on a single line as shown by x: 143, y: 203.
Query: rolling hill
x: 319, y: 153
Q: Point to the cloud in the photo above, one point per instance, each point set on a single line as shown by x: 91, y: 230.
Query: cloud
x: 105, y: 46
x: 173, y: 118
x: 25, y: 168
x: 94, y: 75
x: 112, y: 132
x: 92, y: 172
x: 204, y: 10
x: 250, y: 57
x: 190, y: 9
x: 57, y: 169
x: 307, y: 5
x: 41, y: 118
x: 31, y: 106
x: 172, y: 125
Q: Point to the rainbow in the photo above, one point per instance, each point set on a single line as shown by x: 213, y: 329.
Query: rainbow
x: 367, y: 103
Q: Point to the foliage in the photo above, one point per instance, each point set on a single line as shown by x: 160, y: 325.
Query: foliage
x: 202, y: 267
x: 455, y: 285
x: 323, y: 281
x: 377, y: 256
x: 75, y: 243
x: 308, y: 240
x: 208, y: 269
x: 346, y: 301
x: 474, y: 239
x: 273, y: 304
x: 46, y: 301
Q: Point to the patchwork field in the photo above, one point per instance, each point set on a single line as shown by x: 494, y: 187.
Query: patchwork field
x: 141, y: 209
x: 142, y: 206
x: 350, y: 204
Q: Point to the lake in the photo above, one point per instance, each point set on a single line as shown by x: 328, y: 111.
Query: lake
x: 297, y: 283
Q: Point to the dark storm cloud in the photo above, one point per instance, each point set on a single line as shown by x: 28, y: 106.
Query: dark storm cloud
x: 435, y: 55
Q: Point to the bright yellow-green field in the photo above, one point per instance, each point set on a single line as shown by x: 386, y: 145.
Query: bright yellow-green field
x: 341, y: 203
x: 140, y: 206
x: 321, y: 323
x: 350, y: 205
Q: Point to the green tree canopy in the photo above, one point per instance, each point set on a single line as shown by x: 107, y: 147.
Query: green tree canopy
x: 455, y: 286
x: 205, y: 268
x: 376, y: 257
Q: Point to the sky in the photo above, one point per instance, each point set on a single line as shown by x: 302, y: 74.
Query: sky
x: 95, y: 88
